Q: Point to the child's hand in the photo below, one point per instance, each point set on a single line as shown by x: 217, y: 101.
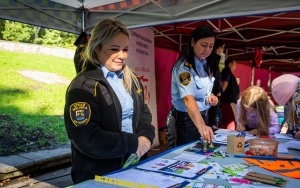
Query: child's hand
x: 240, y: 128
x: 254, y: 132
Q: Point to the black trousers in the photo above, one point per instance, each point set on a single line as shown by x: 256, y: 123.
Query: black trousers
x: 212, y: 115
x: 181, y: 129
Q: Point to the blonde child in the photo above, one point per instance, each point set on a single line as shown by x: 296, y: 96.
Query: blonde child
x: 256, y: 113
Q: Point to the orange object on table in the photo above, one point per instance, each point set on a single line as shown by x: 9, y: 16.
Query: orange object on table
x: 288, y: 168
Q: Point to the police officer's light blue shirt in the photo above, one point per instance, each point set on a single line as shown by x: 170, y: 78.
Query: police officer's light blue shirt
x: 185, y: 81
x: 115, y: 80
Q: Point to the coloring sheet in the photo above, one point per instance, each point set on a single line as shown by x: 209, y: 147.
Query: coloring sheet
x: 179, y: 168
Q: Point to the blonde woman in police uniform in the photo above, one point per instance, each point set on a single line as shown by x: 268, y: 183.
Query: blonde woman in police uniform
x: 191, y: 91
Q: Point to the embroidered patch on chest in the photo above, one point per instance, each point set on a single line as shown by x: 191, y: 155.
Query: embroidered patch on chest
x: 80, y: 113
x: 185, y: 78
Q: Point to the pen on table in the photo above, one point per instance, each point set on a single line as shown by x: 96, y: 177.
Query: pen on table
x: 240, y: 180
x: 228, y: 171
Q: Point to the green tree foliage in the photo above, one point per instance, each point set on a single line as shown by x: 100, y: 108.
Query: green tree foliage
x: 2, y: 25
x: 68, y: 39
x: 19, y: 32
x: 50, y: 37
x: 56, y: 38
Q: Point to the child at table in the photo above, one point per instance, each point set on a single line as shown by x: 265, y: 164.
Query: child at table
x: 256, y: 113
x: 286, y: 91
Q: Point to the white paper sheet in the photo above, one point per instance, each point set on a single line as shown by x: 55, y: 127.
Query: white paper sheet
x: 226, y: 131
x: 293, y: 144
x: 222, y: 138
x: 147, y: 177
x: 285, y: 136
x: 190, y: 157
x: 282, y: 148
x: 234, y: 132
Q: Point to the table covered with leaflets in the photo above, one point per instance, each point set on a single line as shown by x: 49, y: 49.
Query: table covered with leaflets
x: 199, y: 165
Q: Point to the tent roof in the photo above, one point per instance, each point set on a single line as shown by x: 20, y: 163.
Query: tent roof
x: 270, y: 24
x: 75, y: 15
x: 276, y: 34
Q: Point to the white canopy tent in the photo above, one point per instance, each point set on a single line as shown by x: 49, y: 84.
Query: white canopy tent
x: 272, y: 25
x: 77, y: 15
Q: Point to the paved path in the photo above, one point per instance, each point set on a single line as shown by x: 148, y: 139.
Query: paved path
x: 26, y: 169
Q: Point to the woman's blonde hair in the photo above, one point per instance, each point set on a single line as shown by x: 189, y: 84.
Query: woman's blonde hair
x: 255, y: 97
x: 102, y: 33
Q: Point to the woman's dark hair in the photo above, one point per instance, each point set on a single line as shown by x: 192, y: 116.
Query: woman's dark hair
x: 228, y: 61
x: 187, y: 54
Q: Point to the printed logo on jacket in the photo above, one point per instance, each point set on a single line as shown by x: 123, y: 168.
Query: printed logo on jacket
x: 80, y: 113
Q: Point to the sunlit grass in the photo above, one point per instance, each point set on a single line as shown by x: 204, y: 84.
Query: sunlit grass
x: 30, y: 102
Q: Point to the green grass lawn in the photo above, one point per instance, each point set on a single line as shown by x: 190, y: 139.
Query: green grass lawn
x: 32, y: 104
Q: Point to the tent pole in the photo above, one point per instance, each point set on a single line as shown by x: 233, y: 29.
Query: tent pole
x: 252, y: 75
x: 180, y: 42
x: 83, y: 21
x: 269, y: 78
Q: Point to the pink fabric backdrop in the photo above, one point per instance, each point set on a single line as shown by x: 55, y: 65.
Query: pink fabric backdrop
x: 164, y: 60
x: 243, y: 72
x: 263, y: 76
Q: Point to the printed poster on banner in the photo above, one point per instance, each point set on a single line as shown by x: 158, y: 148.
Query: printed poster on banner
x: 141, y: 61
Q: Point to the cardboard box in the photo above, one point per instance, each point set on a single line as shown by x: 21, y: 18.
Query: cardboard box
x: 235, y: 145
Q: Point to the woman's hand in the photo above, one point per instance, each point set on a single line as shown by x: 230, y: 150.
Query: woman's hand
x: 206, y: 133
x: 254, y: 132
x: 143, y: 146
x: 240, y: 128
x: 212, y: 100
x: 194, y: 113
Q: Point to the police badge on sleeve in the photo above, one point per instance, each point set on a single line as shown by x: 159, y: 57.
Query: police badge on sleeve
x: 185, y: 78
x: 80, y: 113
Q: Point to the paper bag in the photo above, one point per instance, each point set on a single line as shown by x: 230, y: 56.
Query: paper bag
x: 235, y: 144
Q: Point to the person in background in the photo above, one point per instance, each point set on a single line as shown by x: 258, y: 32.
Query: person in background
x: 105, y: 115
x: 230, y: 94
x: 256, y: 113
x: 213, y: 61
x: 80, y: 44
x: 191, y: 88
x: 286, y: 91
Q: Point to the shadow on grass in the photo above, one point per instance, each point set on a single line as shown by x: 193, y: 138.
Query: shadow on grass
x: 12, y: 92
x: 21, y: 132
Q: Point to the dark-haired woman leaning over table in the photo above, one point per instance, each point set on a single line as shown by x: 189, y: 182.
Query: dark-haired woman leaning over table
x: 191, y: 88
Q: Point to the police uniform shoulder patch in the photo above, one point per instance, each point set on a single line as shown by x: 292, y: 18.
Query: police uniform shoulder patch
x: 80, y: 113
x: 185, y: 78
